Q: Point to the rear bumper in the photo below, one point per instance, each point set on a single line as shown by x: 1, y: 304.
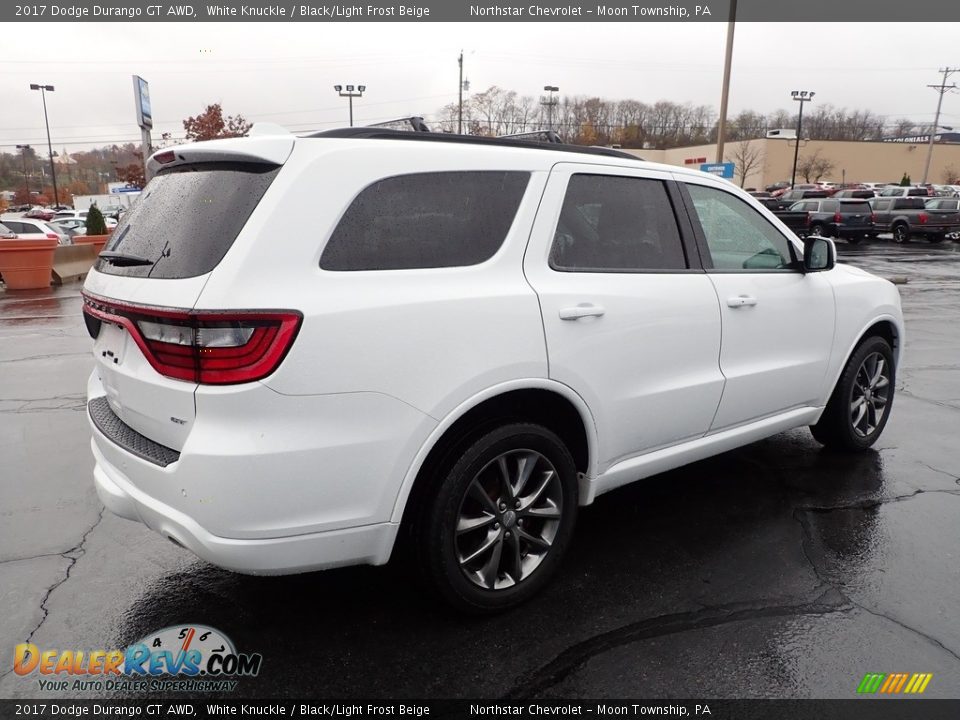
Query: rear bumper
x: 368, y: 544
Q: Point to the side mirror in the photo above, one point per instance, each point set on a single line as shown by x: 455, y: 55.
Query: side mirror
x: 819, y: 254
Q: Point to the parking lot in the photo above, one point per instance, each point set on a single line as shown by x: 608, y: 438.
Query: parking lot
x: 777, y: 570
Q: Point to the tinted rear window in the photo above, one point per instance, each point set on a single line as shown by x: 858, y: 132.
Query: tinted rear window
x: 426, y: 220
x: 855, y: 207
x: 187, y: 218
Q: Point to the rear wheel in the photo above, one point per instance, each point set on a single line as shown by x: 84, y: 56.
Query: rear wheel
x: 860, y: 404
x: 900, y: 233
x: 854, y: 239
x: 496, y: 529
x: 816, y: 230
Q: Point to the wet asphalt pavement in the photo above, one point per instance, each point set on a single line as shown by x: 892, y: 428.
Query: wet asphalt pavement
x: 777, y: 570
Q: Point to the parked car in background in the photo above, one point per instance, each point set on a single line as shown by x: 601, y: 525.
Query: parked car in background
x: 40, y: 213
x: 944, y: 191
x: 78, y: 225
x: 943, y: 203
x: 798, y: 186
x: 905, y: 191
x: 875, y: 186
x: 69, y: 214
x: 848, y: 193
x: 32, y: 229
x: 782, y: 185
x: 850, y: 219
x: 792, y: 196
x: 908, y: 217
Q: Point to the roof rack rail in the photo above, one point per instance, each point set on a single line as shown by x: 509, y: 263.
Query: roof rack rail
x: 414, y: 123
x: 540, y: 136
x: 372, y: 133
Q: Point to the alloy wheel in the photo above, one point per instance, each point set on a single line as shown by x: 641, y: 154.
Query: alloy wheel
x: 871, y: 393
x: 508, y: 519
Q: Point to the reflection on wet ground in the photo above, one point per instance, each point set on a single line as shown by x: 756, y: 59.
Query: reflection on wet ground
x: 791, y: 568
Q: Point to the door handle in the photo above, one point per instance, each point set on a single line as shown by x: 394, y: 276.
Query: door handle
x: 741, y: 301
x: 581, y: 311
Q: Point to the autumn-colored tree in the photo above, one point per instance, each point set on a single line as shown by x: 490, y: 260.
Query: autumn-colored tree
x: 3, y: 205
x: 210, y: 125
x: 133, y: 174
x: 22, y: 197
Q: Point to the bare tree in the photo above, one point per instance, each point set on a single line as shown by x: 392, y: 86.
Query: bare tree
x: 746, y: 156
x: 814, y: 166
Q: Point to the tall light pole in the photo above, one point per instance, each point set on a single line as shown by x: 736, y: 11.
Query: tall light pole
x: 460, y: 97
x: 26, y: 179
x: 801, y: 96
x: 550, y: 102
x: 44, y: 89
x: 350, y: 95
x: 725, y: 91
x: 942, y: 90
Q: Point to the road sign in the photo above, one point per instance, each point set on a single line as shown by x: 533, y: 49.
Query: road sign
x: 724, y: 170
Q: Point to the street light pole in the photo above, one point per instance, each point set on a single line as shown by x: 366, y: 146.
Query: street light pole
x: 350, y: 95
x: 460, y: 97
x: 801, y: 96
x: 725, y: 91
x: 26, y: 179
x: 53, y: 172
x: 550, y: 102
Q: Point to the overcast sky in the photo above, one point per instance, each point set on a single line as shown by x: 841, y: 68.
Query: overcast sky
x: 285, y: 72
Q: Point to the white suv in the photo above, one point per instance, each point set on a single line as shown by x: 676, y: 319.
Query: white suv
x: 470, y: 339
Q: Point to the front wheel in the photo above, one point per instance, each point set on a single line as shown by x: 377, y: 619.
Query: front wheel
x: 861, y: 402
x: 901, y: 234
x: 498, y: 526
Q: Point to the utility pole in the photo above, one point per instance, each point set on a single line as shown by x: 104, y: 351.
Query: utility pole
x: 26, y: 180
x: 725, y: 92
x: 460, y: 97
x: 550, y: 102
x: 941, y: 90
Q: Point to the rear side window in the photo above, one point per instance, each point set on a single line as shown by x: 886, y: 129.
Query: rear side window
x: 616, y: 224
x: 426, y: 220
x: 913, y: 203
x: 187, y: 218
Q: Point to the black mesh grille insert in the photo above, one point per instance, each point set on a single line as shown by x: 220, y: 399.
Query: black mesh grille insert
x: 126, y: 437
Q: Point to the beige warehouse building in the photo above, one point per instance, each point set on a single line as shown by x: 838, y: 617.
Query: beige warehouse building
x: 852, y: 161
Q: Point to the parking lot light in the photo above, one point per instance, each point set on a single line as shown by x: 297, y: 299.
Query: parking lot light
x: 350, y: 94
x: 801, y: 96
x: 44, y: 89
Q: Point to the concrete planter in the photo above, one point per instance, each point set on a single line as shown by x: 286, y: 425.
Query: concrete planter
x: 26, y: 264
x: 98, y: 241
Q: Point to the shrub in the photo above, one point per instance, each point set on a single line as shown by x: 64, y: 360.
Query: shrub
x: 96, y: 225
x: 905, y: 180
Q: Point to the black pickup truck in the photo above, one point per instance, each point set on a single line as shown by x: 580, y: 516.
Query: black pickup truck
x: 847, y: 218
x: 908, y: 217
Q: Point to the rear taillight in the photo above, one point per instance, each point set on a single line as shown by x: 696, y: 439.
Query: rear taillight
x: 836, y: 217
x: 204, y: 346
x: 923, y: 217
x: 53, y: 236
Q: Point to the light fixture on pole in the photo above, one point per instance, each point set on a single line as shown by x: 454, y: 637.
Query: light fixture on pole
x: 26, y: 178
x: 550, y: 101
x: 44, y: 89
x: 350, y: 94
x: 801, y: 96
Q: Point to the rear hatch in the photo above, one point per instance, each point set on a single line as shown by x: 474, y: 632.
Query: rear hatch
x: 139, y: 298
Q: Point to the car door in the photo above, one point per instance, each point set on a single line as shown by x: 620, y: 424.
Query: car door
x: 777, y: 322
x: 632, y: 323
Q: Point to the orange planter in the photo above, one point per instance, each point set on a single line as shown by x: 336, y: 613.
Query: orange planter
x: 98, y: 241
x: 26, y: 264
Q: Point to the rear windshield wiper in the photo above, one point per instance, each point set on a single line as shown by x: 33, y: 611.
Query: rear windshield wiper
x: 123, y: 259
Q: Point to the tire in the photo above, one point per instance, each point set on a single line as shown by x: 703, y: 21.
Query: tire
x: 855, y: 239
x: 900, y: 233
x: 861, y: 388
x: 816, y: 230
x: 488, y: 545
